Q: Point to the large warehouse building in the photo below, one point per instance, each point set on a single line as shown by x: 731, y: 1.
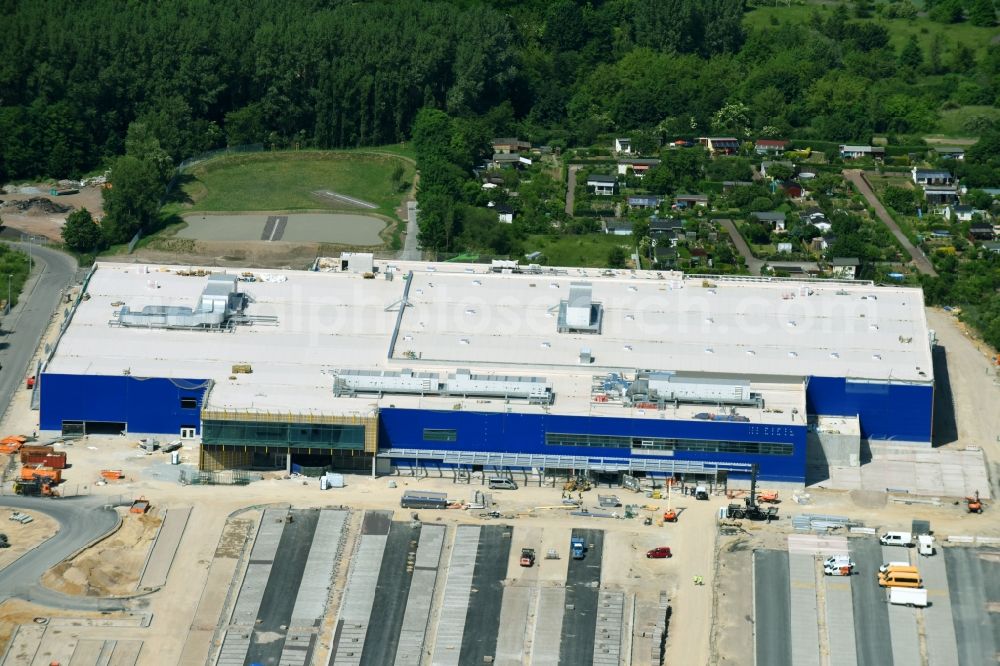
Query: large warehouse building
x: 493, y: 367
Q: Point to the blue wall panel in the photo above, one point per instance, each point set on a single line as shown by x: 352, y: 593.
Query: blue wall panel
x: 525, y: 433
x: 146, y: 405
x: 885, y: 411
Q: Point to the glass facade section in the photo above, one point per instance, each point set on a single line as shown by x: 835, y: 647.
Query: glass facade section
x: 436, y: 435
x: 295, y: 435
x: 668, y: 444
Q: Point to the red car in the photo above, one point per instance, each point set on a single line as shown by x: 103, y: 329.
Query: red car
x: 659, y: 553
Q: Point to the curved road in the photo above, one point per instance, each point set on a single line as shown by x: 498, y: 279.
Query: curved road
x: 920, y: 260
x: 22, y: 329
x: 81, y: 521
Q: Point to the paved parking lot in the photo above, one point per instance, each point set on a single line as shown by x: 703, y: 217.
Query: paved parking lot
x: 804, y: 617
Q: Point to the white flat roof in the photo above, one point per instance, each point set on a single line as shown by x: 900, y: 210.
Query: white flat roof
x: 462, y: 316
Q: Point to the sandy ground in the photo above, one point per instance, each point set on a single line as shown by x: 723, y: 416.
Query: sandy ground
x: 14, y: 612
x: 50, y: 224
x: 113, y: 566
x: 23, y: 538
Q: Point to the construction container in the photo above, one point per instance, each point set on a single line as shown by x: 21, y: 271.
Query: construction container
x: 175, y: 457
x: 30, y: 472
x: 50, y: 458
x: 334, y: 480
x: 29, y: 450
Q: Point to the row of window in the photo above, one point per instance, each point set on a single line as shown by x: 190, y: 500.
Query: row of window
x: 440, y: 435
x: 669, y: 444
x: 300, y: 435
x: 648, y: 443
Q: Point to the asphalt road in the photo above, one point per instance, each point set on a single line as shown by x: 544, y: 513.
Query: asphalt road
x: 81, y: 521
x: 920, y: 260
x: 393, y: 588
x: 411, y: 251
x: 583, y: 580
x: 772, y: 605
x: 482, y: 622
x: 24, y: 326
x: 871, y: 616
x: 972, y: 585
x: 282, y: 587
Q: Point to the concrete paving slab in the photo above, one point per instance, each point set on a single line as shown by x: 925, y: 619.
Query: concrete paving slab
x: 514, y: 614
x: 356, y: 609
x: 87, y: 652
x: 482, y: 620
x: 608, y: 633
x: 939, y: 629
x: 804, y: 614
x: 161, y: 555
x: 455, y: 601
x: 317, y: 577
x: 839, y: 609
x: 125, y: 653
x: 548, y: 626
x: 410, y: 649
x: 902, y: 620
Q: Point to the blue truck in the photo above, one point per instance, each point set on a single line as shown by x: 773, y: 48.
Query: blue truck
x: 578, y: 547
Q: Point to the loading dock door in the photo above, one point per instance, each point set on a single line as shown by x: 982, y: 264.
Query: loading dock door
x: 94, y: 427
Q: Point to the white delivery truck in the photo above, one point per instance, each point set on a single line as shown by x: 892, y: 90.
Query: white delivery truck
x: 925, y: 545
x: 896, y: 539
x: 905, y: 596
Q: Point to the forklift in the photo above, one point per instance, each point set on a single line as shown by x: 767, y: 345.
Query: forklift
x: 751, y: 509
x: 974, y: 504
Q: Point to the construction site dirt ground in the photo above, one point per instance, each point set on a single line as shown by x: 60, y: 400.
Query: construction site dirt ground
x: 23, y: 537
x: 38, y: 223
x: 111, y: 567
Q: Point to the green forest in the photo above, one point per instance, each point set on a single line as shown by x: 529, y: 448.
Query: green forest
x: 203, y: 74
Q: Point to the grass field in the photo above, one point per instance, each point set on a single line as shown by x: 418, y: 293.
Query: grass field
x: 954, y: 121
x: 976, y: 38
x: 590, y: 250
x: 285, y: 181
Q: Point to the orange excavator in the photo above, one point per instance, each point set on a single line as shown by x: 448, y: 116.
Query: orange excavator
x: 974, y: 504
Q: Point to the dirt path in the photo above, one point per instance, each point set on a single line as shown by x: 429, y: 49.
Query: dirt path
x: 920, y: 260
x: 571, y: 188
x: 753, y: 263
x: 974, y: 387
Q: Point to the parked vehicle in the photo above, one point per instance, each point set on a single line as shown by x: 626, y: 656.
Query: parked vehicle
x: 839, y: 561
x: 423, y: 499
x: 701, y: 493
x: 838, y: 571
x: 659, y: 553
x: 527, y: 557
x: 894, y: 565
x: 900, y: 579
x: 925, y: 545
x: 578, y: 547
x: 498, y: 483
x: 896, y: 539
x: 908, y: 597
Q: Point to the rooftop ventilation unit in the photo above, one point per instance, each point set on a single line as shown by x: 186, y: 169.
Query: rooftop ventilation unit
x: 669, y: 387
x: 220, y: 306
x: 579, y: 313
x: 462, y: 383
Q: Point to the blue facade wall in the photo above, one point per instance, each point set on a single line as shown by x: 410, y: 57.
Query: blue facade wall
x: 144, y: 404
x: 525, y: 433
x: 901, y: 412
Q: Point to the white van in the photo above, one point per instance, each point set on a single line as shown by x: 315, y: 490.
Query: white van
x: 893, y: 565
x: 925, y: 545
x: 837, y: 561
x: 896, y: 539
x: 498, y: 483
